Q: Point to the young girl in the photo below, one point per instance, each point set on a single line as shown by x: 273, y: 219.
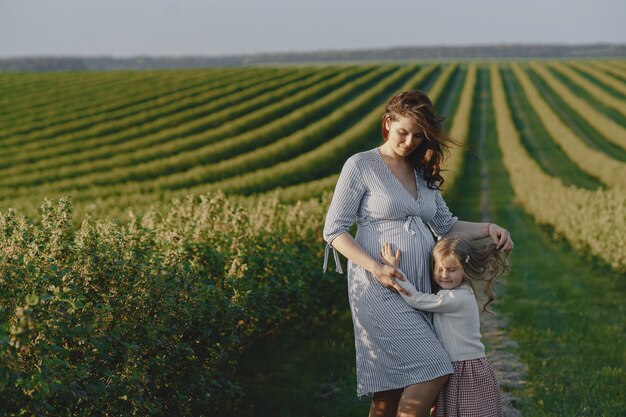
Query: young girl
x: 461, y: 268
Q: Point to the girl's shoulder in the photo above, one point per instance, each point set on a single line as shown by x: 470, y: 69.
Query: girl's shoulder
x: 465, y: 287
x: 461, y: 290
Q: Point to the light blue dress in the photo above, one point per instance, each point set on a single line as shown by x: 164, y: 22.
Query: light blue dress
x: 395, y: 344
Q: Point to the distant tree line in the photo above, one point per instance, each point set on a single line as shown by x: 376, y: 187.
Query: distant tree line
x: 504, y: 51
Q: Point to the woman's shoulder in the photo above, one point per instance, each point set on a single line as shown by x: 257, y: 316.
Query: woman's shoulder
x: 360, y: 162
x: 363, y: 157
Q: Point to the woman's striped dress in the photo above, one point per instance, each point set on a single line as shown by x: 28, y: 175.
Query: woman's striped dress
x: 395, y: 344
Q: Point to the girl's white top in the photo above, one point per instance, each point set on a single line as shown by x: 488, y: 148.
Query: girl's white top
x: 456, y: 318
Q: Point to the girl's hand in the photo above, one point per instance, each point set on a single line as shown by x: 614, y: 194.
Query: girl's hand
x: 388, y: 257
x: 501, y: 237
x: 387, y: 276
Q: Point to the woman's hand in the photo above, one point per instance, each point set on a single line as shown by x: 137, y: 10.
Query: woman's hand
x: 501, y: 237
x: 387, y: 276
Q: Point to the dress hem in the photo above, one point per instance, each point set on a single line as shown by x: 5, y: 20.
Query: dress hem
x: 361, y: 394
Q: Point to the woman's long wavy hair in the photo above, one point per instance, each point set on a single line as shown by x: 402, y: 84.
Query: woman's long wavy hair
x: 429, y: 155
x: 482, y: 264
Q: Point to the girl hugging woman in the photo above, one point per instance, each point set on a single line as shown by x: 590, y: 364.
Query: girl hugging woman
x: 463, y: 272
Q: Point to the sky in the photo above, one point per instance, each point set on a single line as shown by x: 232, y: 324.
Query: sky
x: 125, y: 28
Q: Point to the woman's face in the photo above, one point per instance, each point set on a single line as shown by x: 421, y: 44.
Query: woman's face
x: 404, y: 135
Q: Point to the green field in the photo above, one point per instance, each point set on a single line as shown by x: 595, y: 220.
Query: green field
x: 183, y: 271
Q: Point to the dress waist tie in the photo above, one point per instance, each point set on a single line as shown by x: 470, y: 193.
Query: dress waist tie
x: 409, y: 222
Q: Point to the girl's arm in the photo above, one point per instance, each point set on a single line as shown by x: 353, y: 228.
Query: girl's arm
x: 443, y: 302
x: 500, y: 236
x: 385, y: 274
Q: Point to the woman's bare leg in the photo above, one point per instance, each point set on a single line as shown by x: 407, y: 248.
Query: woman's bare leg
x: 385, y: 403
x: 416, y: 399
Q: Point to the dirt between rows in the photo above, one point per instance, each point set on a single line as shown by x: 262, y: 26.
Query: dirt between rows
x: 500, y: 352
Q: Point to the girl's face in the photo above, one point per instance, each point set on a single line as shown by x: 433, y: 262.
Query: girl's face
x: 404, y: 135
x: 448, y: 272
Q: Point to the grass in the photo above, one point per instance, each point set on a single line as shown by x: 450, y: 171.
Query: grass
x: 307, y: 376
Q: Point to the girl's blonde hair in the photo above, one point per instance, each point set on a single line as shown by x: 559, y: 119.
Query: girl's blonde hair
x: 482, y: 264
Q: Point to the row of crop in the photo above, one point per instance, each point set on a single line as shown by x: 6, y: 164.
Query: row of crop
x: 23, y: 117
x: 120, y: 198
x: 18, y: 87
x: 615, y: 69
x: 608, y: 128
x: 318, y: 163
x: 152, y: 103
x: 117, y: 204
x: 185, y: 147
x: 603, y: 74
x: 150, y: 318
x: 118, y: 103
x: 310, y: 187
x: 589, y: 220
x: 621, y: 63
x: 304, y: 191
x: 290, y: 125
x: 59, y: 88
x: 214, y: 107
x: 209, y: 110
x: 11, y: 82
x: 63, y: 113
x: 596, y: 92
x: 583, y: 130
x: 303, y: 170
x: 49, y: 119
x: 54, y: 100
x: 264, y: 148
x: 272, y: 176
x: 595, y: 163
x: 459, y: 130
x: 31, y: 82
x: 328, y: 158
x: 317, y: 187
x: 442, y: 81
x: 537, y: 140
x: 449, y: 98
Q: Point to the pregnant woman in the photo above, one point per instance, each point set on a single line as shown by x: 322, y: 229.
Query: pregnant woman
x: 392, y: 193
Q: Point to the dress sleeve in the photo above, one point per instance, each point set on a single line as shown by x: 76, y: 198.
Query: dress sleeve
x: 443, y: 220
x: 344, y: 206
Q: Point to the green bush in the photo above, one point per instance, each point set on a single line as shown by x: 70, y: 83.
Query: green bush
x: 149, y: 317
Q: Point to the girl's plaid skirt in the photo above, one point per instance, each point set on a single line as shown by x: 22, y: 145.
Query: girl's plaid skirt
x: 472, y: 391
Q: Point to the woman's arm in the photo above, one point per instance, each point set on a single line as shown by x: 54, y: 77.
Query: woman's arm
x: 500, y: 236
x: 385, y: 274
